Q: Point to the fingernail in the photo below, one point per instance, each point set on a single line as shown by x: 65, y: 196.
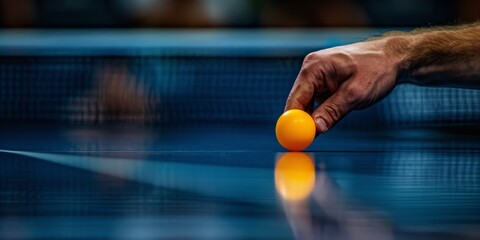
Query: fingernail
x: 321, y: 124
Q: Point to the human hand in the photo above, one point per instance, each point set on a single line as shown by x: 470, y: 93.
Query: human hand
x: 344, y: 78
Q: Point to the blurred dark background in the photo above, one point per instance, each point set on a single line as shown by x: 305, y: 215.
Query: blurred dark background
x: 233, y: 13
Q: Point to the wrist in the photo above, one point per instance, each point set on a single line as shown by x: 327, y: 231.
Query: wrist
x: 397, y: 50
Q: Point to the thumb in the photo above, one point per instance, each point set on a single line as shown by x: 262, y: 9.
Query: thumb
x: 330, y: 112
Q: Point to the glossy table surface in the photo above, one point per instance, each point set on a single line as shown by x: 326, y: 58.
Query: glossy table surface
x: 230, y: 182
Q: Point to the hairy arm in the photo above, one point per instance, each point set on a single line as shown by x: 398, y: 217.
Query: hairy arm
x: 442, y: 56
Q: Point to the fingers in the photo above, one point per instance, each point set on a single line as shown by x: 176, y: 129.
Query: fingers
x: 310, y: 82
x: 332, y: 110
x: 320, y: 76
x: 301, y: 95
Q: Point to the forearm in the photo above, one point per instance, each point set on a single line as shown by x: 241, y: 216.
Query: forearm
x: 438, y: 57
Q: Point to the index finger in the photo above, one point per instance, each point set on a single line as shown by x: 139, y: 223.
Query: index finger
x: 301, y: 95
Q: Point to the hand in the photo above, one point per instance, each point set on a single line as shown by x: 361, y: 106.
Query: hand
x: 344, y: 78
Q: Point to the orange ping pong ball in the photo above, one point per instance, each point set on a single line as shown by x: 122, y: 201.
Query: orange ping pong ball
x: 295, y: 130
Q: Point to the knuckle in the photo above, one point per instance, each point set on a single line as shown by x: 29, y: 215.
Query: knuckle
x: 310, y: 57
x: 313, y: 59
x: 333, y: 111
x: 311, y: 65
x: 354, y: 92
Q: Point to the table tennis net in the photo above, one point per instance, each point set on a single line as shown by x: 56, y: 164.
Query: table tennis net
x: 195, y: 89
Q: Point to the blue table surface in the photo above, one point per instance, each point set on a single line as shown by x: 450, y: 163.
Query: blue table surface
x: 218, y: 182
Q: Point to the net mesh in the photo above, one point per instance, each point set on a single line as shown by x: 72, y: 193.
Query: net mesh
x: 195, y: 89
